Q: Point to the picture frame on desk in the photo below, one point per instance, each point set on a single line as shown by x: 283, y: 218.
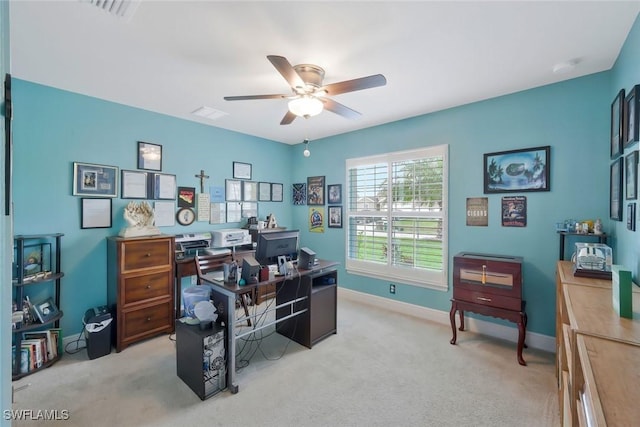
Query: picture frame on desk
x: 95, y: 180
x: 149, y: 156
x: 617, y: 129
x: 46, y: 310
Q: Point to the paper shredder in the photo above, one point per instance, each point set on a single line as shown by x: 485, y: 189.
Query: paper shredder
x: 97, y: 331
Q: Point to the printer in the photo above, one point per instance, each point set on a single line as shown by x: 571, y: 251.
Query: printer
x: 190, y: 245
x: 230, y: 237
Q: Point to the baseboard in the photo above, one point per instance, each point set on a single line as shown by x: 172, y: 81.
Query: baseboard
x: 534, y: 340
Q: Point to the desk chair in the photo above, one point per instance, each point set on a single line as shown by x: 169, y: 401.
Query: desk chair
x: 207, y: 264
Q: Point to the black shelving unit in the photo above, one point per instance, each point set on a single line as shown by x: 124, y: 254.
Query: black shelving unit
x: 36, y: 264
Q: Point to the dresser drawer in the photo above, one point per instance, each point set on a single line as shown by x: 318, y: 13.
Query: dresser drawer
x: 147, y: 320
x: 141, y: 288
x: 484, y: 298
x: 142, y: 254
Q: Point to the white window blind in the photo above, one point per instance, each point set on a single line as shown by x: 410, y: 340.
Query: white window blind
x: 397, y: 216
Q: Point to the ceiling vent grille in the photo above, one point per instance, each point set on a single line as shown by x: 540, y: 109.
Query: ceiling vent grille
x: 123, y: 9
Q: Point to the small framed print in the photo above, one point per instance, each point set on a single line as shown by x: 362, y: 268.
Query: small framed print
x: 163, y: 186
x: 186, y: 197
x: 334, y: 194
x: 632, y: 119
x: 631, y: 216
x: 96, y: 213
x: 233, y: 190
x: 315, y: 190
x: 335, y: 216
x: 276, y: 192
x: 617, y: 130
x: 134, y: 184
x: 241, y: 170
x: 264, y: 192
x: 95, y: 180
x: 615, y: 190
x: 631, y: 175
x: 149, y: 156
x: 249, y: 191
x: 299, y: 193
x: 46, y: 311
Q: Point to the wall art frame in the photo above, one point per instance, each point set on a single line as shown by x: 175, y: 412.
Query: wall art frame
x: 134, y: 184
x: 91, y: 179
x: 249, y: 191
x: 241, y: 170
x: 277, y: 191
x: 315, y: 191
x: 631, y: 216
x: 264, y: 191
x: 334, y: 194
x: 233, y: 190
x: 517, y: 171
x: 163, y: 186
x: 631, y: 175
x: 617, y: 130
x: 632, y: 116
x: 615, y: 190
x: 149, y: 156
x: 335, y: 217
x: 95, y: 212
x: 299, y: 193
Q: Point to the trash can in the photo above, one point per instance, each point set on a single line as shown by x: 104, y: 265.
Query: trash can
x: 97, y: 331
x: 193, y: 295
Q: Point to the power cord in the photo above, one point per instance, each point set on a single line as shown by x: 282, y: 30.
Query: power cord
x: 77, y: 343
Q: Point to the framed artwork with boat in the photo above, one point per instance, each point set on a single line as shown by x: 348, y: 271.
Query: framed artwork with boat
x: 517, y: 171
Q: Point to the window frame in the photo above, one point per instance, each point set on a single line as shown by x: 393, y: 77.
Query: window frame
x: 422, y: 277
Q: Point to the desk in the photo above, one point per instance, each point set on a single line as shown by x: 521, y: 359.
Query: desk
x: 309, y: 295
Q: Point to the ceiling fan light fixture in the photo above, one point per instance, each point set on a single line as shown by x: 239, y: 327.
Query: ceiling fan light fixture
x: 306, y: 106
x: 306, y: 151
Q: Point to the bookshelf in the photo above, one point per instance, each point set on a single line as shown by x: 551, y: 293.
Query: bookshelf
x: 36, y: 336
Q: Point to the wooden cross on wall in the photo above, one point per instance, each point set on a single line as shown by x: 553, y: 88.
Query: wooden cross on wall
x: 202, y: 177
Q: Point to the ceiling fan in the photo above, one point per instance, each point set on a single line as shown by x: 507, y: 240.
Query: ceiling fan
x: 309, y: 96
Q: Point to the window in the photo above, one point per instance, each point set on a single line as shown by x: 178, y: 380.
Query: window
x: 397, y: 216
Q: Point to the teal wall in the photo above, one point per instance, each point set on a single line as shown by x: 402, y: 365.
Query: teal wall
x: 53, y: 128
x: 625, y: 75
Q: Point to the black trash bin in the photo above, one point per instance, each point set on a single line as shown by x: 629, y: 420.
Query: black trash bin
x: 97, y: 331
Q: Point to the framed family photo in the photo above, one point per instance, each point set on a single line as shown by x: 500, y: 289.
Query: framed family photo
x: 95, y: 180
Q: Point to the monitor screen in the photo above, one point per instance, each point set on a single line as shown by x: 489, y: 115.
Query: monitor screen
x: 271, y: 245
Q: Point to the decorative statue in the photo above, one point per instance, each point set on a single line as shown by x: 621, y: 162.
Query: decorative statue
x: 139, y: 217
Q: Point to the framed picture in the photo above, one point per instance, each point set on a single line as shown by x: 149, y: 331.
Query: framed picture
x: 163, y: 186
x: 233, y: 190
x: 276, y: 192
x: 517, y: 170
x: 477, y: 211
x: 617, y: 109
x: 95, y: 180
x: 334, y: 192
x: 631, y: 216
x: 134, y: 184
x: 615, y: 190
x: 631, y: 175
x: 514, y: 211
x: 632, y: 118
x: 264, y: 192
x: 149, y: 156
x: 186, y: 197
x: 95, y: 213
x: 46, y: 311
x: 241, y: 170
x: 315, y: 190
x: 335, y: 216
x: 249, y: 191
x: 299, y: 194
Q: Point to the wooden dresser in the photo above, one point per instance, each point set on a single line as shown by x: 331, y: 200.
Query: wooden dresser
x: 597, y: 353
x: 490, y: 285
x: 140, y: 280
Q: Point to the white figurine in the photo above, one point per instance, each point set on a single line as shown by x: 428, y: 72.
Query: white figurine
x: 597, y: 227
x: 140, y: 218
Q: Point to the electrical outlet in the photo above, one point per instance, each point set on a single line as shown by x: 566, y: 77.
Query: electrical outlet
x: 392, y: 288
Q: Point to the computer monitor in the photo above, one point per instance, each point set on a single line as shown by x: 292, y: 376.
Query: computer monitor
x: 271, y: 245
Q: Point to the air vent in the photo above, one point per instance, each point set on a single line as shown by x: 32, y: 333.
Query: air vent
x: 120, y: 8
x: 209, y: 113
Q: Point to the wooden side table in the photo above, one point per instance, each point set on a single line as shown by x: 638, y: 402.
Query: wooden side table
x: 518, y: 317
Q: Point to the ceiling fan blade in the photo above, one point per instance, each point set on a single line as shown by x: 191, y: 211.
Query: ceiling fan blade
x: 285, y: 68
x: 355, y: 84
x: 288, y: 118
x: 245, y: 97
x: 336, y: 107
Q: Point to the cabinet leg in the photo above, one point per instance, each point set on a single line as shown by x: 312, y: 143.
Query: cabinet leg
x: 462, y: 320
x: 521, y: 335
x: 452, y: 318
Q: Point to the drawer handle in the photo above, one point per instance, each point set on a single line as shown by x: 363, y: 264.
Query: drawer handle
x: 484, y: 299
x: 148, y: 286
x: 148, y: 319
x: 148, y: 254
x: 484, y: 274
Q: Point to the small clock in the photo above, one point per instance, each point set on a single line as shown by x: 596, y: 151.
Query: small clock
x: 186, y: 216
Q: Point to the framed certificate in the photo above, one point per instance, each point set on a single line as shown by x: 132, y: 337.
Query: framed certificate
x: 95, y: 180
x: 241, y: 170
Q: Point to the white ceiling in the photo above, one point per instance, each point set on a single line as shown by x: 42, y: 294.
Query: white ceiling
x: 173, y: 57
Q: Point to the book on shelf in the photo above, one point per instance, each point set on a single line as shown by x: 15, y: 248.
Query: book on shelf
x: 37, y: 349
x: 57, y: 338
x: 50, y: 346
x: 25, y: 357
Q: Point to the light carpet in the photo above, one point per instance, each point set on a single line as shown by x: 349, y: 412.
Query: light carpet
x: 382, y: 368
